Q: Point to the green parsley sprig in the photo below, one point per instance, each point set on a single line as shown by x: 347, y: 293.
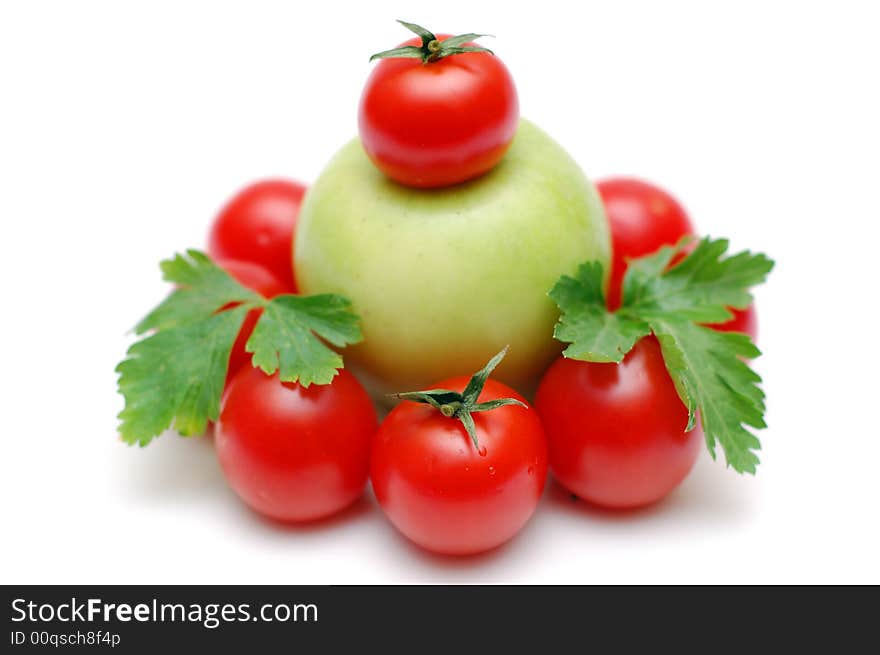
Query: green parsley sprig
x: 174, y: 375
x: 708, y: 367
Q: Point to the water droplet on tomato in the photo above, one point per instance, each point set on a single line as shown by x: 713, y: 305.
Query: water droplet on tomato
x: 482, y: 451
x: 491, y: 470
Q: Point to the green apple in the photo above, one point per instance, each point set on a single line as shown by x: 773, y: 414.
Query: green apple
x: 444, y: 278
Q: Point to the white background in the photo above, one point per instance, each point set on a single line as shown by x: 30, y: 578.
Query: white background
x: 124, y: 126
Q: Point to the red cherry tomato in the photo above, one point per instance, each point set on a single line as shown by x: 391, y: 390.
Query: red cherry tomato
x: 643, y: 218
x: 257, y: 279
x: 291, y: 453
x: 257, y: 226
x: 616, y: 432
x: 438, y: 123
x: 744, y: 320
x: 443, y: 493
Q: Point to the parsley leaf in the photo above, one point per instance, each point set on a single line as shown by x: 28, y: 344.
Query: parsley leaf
x: 707, y: 367
x: 709, y: 374
x: 594, y: 334
x: 202, y: 289
x: 174, y: 375
x: 699, y: 288
x: 284, y: 337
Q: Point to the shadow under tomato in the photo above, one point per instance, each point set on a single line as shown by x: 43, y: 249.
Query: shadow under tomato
x: 449, y: 562
x: 170, y: 468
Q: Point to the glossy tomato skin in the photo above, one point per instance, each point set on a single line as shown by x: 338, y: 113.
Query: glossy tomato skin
x: 257, y: 225
x: 440, y: 123
x: 444, y: 494
x: 744, y: 320
x: 291, y: 453
x: 616, y: 432
x: 256, y: 278
x: 643, y: 218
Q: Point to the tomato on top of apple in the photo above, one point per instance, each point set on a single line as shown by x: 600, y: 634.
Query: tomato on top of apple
x: 453, y: 259
x: 437, y: 110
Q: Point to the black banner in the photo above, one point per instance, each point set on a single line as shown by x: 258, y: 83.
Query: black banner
x: 143, y: 619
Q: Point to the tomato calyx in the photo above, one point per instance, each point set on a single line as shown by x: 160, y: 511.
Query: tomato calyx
x: 432, y: 48
x: 462, y: 405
